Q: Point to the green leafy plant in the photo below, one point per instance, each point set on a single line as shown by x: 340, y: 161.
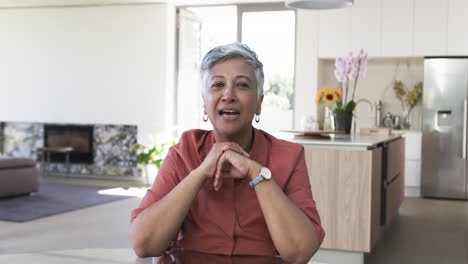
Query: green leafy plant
x: 280, y: 93
x: 2, y: 137
x: 153, y: 155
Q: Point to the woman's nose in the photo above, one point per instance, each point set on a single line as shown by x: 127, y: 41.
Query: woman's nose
x: 229, y: 93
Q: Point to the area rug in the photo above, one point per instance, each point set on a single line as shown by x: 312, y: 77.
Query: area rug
x: 51, y: 199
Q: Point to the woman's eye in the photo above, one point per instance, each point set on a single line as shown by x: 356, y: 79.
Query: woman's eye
x: 243, y: 85
x: 217, y: 85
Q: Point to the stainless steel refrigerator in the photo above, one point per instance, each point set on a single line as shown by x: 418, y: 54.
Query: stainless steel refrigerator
x: 444, y: 128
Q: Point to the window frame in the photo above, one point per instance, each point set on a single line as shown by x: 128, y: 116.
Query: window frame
x: 241, y: 9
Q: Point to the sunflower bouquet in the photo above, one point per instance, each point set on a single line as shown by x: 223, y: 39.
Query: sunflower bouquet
x: 328, y: 95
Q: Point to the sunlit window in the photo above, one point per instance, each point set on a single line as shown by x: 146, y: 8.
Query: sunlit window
x: 271, y: 33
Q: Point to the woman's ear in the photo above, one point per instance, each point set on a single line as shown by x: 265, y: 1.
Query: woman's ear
x: 258, y: 111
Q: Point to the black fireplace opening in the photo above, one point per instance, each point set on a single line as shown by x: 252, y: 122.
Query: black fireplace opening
x: 78, y: 137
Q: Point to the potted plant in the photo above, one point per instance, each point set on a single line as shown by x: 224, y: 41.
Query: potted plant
x: 341, y: 100
x: 148, y: 156
x: 3, y: 138
x: 408, y: 99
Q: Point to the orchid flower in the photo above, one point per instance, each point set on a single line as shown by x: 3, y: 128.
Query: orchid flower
x: 338, y: 74
x: 350, y: 68
x: 363, y: 65
x: 340, y: 71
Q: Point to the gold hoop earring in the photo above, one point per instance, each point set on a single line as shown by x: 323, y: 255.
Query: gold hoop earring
x: 205, y: 117
x: 257, y: 118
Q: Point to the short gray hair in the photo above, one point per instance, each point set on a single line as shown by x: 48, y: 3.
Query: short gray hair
x: 229, y: 51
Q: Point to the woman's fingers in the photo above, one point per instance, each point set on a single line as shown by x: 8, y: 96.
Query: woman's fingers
x: 209, y: 165
x: 237, y: 164
x: 234, y: 146
x: 218, y: 181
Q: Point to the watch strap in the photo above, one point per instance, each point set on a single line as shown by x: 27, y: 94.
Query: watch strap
x: 256, y: 181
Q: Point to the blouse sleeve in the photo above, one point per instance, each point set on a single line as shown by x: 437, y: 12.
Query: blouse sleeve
x: 165, y: 181
x: 298, y: 190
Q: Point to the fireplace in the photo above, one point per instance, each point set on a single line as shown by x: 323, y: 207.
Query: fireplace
x: 78, y: 137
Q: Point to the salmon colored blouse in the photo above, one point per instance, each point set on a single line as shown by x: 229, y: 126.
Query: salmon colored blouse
x: 230, y: 221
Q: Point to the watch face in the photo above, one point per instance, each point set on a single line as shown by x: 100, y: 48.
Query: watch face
x: 266, y: 173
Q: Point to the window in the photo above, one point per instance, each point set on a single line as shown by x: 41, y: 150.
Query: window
x: 268, y: 29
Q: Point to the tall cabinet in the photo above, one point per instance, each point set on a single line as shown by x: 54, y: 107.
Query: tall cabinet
x: 397, y: 28
x: 350, y: 29
x: 430, y: 27
x: 457, y: 43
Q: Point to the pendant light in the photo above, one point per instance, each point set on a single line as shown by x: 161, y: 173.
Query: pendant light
x: 319, y: 4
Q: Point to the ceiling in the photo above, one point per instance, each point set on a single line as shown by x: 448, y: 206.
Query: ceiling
x: 49, y: 3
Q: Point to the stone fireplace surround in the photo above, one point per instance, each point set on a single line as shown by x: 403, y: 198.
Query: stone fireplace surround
x: 111, y: 144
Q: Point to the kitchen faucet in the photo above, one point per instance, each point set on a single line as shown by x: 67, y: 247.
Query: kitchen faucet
x: 371, y: 109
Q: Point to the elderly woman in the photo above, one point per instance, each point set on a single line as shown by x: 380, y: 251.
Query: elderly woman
x: 234, y: 190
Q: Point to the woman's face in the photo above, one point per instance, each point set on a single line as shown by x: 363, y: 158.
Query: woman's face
x: 231, y: 97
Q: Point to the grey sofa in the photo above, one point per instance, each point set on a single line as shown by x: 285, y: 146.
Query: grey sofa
x: 17, y: 176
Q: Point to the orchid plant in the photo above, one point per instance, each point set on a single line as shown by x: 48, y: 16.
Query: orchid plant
x: 349, y: 69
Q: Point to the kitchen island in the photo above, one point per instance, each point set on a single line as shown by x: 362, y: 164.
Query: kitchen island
x: 358, y: 186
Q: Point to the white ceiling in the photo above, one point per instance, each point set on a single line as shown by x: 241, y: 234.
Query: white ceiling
x: 45, y: 3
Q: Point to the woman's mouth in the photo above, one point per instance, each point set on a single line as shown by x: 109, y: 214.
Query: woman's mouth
x: 229, y: 114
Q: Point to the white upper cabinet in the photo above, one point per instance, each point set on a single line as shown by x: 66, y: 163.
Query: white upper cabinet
x: 350, y: 29
x: 457, y: 29
x: 334, y: 32
x: 397, y: 28
x: 365, y: 27
x: 430, y: 27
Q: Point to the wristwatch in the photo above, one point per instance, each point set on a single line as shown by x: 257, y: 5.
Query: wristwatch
x: 265, y: 174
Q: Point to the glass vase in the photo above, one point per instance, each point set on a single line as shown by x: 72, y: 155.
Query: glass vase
x: 328, y: 122
x: 406, y: 118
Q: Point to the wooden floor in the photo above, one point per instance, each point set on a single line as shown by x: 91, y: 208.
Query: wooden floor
x: 428, y: 231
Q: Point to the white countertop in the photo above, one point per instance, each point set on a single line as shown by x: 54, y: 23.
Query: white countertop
x: 346, y: 141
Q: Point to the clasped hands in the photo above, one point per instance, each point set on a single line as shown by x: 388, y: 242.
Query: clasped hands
x: 228, y: 159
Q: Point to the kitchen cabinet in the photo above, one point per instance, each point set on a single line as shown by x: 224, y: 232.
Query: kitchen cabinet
x: 334, y: 32
x: 365, y: 27
x: 412, y: 161
x: 413, y: 173
x: 350, y: 29
x: 457, y: 25
x: 430, y: 27
x: 397, y: 28
x: 346, y: 188
x: 395, y: 179
x: 347, y: 176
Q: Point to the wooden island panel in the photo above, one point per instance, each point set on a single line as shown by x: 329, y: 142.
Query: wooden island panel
x: 346, y: 188
x: 395, y: 179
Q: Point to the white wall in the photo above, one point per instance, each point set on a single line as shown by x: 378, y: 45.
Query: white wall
x: 306, y: 68
x: 92, y: 64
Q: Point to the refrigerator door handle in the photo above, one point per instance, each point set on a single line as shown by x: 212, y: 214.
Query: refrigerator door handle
x: 464, y: 128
